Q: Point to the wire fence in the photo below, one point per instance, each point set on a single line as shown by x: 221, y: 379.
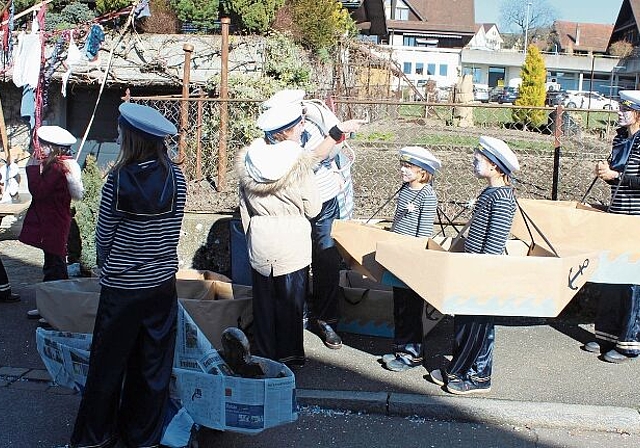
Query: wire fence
x: 557, y: 156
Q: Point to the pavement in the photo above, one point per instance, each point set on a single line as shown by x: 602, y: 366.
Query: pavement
x: 541, y: 378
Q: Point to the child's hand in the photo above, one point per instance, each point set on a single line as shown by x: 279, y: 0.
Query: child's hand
x: 351, y: 125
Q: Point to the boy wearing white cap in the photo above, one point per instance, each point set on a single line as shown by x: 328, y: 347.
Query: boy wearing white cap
x: 54, y: 179
x: 139, y: 226
x: 414, y: 216
x: 278, y: 196
x: 474, y: 336
x: 617, y: 324
x: 325, y: 265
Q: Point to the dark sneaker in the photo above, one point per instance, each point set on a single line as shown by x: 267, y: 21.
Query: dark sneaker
x: 616, y: 357
x: 33, y: 314
x: 11, y: 298
x: 400, y: 364
x: 328, y: 335
x: 592, y: 347
x: 460, y: 387
x: 436, y: 377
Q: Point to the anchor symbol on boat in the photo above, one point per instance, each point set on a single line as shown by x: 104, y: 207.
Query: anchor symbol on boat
x: 579, y: 272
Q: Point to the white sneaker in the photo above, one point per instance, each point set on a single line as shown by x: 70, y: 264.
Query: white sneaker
x: 33, y: 314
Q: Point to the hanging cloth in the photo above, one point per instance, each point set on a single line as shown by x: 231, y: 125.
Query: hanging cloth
x: 93, y: 42
x: 74, y: 57
x: 28, y: 58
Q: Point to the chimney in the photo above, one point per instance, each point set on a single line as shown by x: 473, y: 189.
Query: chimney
x: 577, y: 34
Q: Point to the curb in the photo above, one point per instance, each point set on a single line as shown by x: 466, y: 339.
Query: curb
x: 479, y: 410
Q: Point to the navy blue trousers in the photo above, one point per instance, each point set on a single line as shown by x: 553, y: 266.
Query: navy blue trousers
x: 127, y: 386
x: 408, y: 308
x: 325, y: 264
x: 618, y: 318
x: 5, y: 287
x: 474, y: 339
x: 278, y: 304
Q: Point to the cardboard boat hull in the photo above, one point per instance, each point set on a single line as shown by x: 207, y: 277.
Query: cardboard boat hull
x: 569, y: 224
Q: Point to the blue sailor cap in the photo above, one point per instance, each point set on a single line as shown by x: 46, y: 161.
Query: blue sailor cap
x: 499, y: 153
x: 421, y: 157
x: 146, y: 119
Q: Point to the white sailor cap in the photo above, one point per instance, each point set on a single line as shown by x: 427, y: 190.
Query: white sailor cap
x: 499, y: 153
x: 280, y: 117
x: 286, y: 96
x: 630, y: 99
x: 55, y: 135
x: 145, y: 119
x: 422, y: 157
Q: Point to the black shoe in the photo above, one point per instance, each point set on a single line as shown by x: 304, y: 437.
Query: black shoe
x: 33, y: 314
x: 11, y: 298
x: 328, y: 335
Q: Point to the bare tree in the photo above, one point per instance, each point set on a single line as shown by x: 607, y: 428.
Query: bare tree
x: 513, y: 14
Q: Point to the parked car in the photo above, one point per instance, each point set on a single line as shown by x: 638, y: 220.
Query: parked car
x: 589, y: 100
x: 481, y: 93
x: 509, y: 95
x: 495, y: 93
x: 555, y: 97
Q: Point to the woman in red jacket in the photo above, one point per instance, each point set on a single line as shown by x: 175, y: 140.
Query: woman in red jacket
x: 54, y: 179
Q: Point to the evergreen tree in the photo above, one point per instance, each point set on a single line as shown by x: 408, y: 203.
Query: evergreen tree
x: 321, y: 23
x: 202, y: 13
x: 87, y: 211
x: 252, y: 15
x: 532, y: 90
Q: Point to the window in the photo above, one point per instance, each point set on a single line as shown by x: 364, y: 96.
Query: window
x: 406, y: 68
x: 444, y: 68
x: 401, y: 11
x: 419, y: 68
x: 409, y: 41
x: 431, y: 69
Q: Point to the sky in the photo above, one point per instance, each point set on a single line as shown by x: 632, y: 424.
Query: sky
x: 583, y: 11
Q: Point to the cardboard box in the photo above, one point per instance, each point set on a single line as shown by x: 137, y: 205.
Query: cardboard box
x: 217, y: 400
x: 365, y: 306
x: 245, y: 405
x: 356, y: 242
x: 568, y: 225
x: 534, y: 283
x: 71, y: 305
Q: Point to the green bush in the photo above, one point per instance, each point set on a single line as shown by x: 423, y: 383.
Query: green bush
x: 202, y: 13
x: 252, y: 15
x: 321, y: 23
x: 87, y: 211
x: 532, y: 90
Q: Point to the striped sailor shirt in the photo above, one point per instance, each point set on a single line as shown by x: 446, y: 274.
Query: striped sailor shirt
x: 326, y: 177
x: 138, y: 253
x: 491, y: 221
x: 626, y: 198
x: 415, y: 211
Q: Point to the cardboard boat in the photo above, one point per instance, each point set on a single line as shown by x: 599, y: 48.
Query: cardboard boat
x: 529, y: 281
x: 356, y: 242
x: 571, y: 224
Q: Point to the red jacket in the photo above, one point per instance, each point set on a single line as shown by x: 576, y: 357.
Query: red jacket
x: 47, y: 222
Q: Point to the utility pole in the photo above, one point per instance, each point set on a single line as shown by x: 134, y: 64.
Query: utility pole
x: 526, y: 28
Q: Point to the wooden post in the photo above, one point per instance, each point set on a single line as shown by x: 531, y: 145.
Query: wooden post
x: 199, y: 138
x: 3, y: 132
x: 557, y: 152
x: 184, y: 105
x: 224, y: 106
